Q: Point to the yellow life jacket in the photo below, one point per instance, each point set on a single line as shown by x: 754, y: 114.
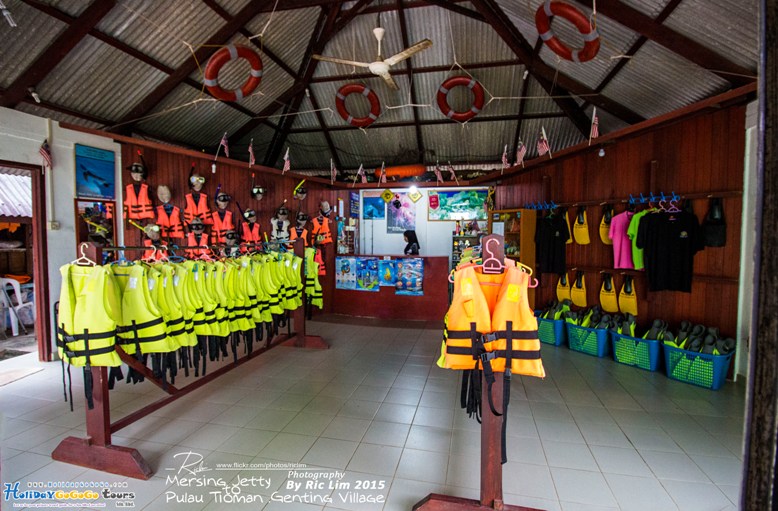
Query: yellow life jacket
x: 172, y: 308
x: 205, y: 315
x: 488, y: 309
x: 246, y: 279
x: 214, y: 282
x: 142, y: 326
x: 263, y: 295
x: 312, y: 286
x: 180, y: 283
x: 88, y: 314
x: 242, y: 319
x: 270, y: 285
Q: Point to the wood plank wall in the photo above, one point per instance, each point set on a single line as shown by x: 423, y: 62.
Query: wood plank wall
x: 172, y: 169
x: 702, y: 154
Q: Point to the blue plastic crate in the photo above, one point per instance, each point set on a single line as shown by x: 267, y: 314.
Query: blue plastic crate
x: 551, y: 331
x: 632, y: 351
x: 709, y: 371
x: 592, y: 341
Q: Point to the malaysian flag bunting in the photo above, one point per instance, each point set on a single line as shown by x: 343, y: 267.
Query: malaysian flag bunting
x: 438, y: 176
x: 225, y: 145
x: 333, y: 171
x: 594, y: 132
x: 543, y: 146
x: 45, y: 152
x: 505, y: 163
x: 287, y: 163
x: 383, y: 173
x: 361, y: 174
x: 451, y: 174
x: 521, y: 152
x: 252, y: 160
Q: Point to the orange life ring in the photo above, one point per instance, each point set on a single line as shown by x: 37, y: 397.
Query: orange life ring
x: 375, y: 105
x: 402, y: 171
x: 470, y: 83
x: 221, y: 57
x: 543, y: 22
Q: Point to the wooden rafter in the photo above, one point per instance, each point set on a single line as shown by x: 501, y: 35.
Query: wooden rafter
x: 56, y: 52
x: 325, y: 130
x: 190, y: 65
x: 406, y: 43
x: 691, y: 50
x: 522, y: 95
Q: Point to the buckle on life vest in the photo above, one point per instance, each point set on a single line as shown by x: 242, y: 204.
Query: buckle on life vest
x: 490, y: 337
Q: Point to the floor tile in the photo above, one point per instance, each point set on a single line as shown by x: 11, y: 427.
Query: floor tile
x: 291, y: 402
x: 328, y: 452
x: 559, y: 431
x: 346, y: 428
x: 434, y: 417
x: 248, y: 442
x: 370, y: 393
x: 696, y: 496
x: 575, y: 506
x: 426, y: 438
x: 582, y: 487
x: 673, y: 465
x: 209, y: 436
x: 528, y: 480
x: 590, y: 414
x: 423, y: 466
x: 359, y: 409
x: 404, y: 493
x: 271, y: 420
x: 550, y: 410
x: 237, y: 416
x: 375, y: 459
x: 732, y: 492
x: 604, y: 434
x: 387, y: 433
x: 464, y: 472
x: 287, y: 447
x: 652, y: 439
x: 639, y: 493
x: 569, y: 455
x: 618, y: 460
x: 389, y: 412
x: 308, y: 424
x: 720, y: 470
x: 403, y: 396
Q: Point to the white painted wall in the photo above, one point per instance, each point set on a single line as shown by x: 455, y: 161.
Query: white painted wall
x: 21, y: 135
x: 434, y: 237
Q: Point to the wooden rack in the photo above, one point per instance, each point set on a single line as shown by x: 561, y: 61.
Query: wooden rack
x: 96, y: 451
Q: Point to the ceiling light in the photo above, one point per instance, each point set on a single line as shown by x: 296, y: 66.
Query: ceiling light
x: 601, y: 152
x: 213, y: 168
x: 34, y: 94
x: 7, y: 15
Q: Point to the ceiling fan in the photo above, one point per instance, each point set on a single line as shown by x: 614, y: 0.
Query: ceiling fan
x: 381, y: 66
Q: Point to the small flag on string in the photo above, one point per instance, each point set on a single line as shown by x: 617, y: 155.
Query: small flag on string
x: 543, y: 146
x: 505, y: 163
x: 287, y: 163
x: 521, y: 152
x: 333, y: 171
x: 252, y: 160
x: 224, y: 144
x: 438, y: 176
x: 45, y: 152
x: 361, y: 173
x: 452, y: 176
x: 594, y: 132
x: 383, y: 172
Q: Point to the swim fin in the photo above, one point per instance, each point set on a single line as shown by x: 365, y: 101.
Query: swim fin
x: 628, y: 300
x: 578, y: 291
x: 570, y: 232
x: 608, y: 294
x: 563, y: 288
x: 605, y: 224
x: 581, y: 227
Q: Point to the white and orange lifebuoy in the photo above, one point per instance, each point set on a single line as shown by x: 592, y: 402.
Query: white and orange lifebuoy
x: 470, y: 83
x: 219, y: 59
x: 550, y: 9
x: 356, y: 88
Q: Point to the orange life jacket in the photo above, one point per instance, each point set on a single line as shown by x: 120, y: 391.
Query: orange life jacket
x: 200, y: 209
x: 486, y: 310
x: 151, y: 254
x: 170, y: 224
x: 137, y: 206
x: 321, y: 231
x: 220, y: 227
x: 195, y: 253
x: 251, y: 232
x: 320, y: 261
x: 293, y: 235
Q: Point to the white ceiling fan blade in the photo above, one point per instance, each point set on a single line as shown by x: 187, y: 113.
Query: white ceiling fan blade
x: 421, y: 45
x: 389, y: 81
x: 335, y: 60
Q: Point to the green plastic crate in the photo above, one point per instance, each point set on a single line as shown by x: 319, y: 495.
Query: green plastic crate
x: 632, y: 351
x: 709, y: 371
x: 551, y: 331
x: 592, y: 341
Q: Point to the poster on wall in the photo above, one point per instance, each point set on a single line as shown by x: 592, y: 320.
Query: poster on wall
x: 459, y: 205
x: 401, y: 214
x: 95, y: 176
x: 373, y: 206
x: 387, y: 272
x: 410, y: 275
x: 345, y: 273
x: 367, y: 274
x: 353, y: 204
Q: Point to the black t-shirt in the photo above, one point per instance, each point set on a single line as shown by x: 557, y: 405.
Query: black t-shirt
x: 669, y: 242
x: 551, y: 237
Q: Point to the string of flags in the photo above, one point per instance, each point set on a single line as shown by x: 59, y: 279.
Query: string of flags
x: 438, y: 176
x: 361, y: 174
x: 333, y: 171
x: 505, y: 163
x: 594, y: 131
x: 287, y: 163
x: 543, y: 145
x: 45, y: 152
x: 521, y: 152
x: 252, y: 160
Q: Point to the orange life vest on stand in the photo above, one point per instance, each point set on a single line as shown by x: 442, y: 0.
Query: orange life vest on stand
x: 251, y: 233
x: 293, y: 235
x: 170, y: 224
x: 317, y: 258
x: 220, y: 227
x: 137, y: 206
x: 321, y: 231
x: 200, y: 209
x: 156, y: 255
x: 196, y: 253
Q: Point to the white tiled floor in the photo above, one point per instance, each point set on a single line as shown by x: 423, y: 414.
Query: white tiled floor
x: 594, y: 435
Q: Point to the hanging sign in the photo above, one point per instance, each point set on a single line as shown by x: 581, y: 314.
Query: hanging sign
x: 415, y: 195
x: 387, y: 195
x: 434, y: 200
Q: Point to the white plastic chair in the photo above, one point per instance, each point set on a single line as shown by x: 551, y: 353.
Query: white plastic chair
x: 14, y: 314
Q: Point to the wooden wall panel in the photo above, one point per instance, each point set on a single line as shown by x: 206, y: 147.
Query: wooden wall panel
x: 700, y: 155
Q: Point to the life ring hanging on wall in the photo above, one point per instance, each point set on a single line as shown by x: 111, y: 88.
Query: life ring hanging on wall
x: 543, y: 17
x: 357, y: 88
x: 219, y: 59
x: 470, y: 83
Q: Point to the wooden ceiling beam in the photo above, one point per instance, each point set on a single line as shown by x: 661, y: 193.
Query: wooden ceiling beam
x: 687, y: 48
x: 421, y: 153
x: 56, y: 52
x: 458, y: 9
x: 522, y: 95
x: 202, y: 54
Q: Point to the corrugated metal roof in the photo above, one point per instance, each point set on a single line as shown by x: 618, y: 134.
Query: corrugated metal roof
x: 185, y: 114
x: 23, y: 44
x: 160, y: 29
x: 262, y: 136
x: 471, y: 142
x: 728, y: 27
x: 649, y: 7
x: 307, y: 150
x: 233, y: 6
x: 309, y: 120
x: 15, y: 195
x: 561, y: 133
x: 34, y: 109
x: 116, y: 81
x: 657, y: 81
x: 287, y: 35
x: 13, y: 171
x: 72, y: 7
x: 538, y: 101
x: 607, y: 122
x: 395, y: 146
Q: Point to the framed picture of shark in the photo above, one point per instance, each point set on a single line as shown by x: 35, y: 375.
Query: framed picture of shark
x: 95, y: 173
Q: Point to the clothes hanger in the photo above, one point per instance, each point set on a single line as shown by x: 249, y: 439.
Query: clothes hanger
x: 83, y: 260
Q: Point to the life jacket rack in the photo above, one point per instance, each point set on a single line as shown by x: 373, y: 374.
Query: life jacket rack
x: 96, y: 450
x: 480, y: 387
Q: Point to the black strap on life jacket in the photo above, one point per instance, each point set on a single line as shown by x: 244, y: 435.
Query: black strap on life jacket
x: 506, y: 386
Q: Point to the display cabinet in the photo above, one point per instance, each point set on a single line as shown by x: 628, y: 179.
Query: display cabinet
x: 517, y: 226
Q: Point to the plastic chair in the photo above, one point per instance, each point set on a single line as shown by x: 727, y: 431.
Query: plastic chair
x: 6, y: 300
